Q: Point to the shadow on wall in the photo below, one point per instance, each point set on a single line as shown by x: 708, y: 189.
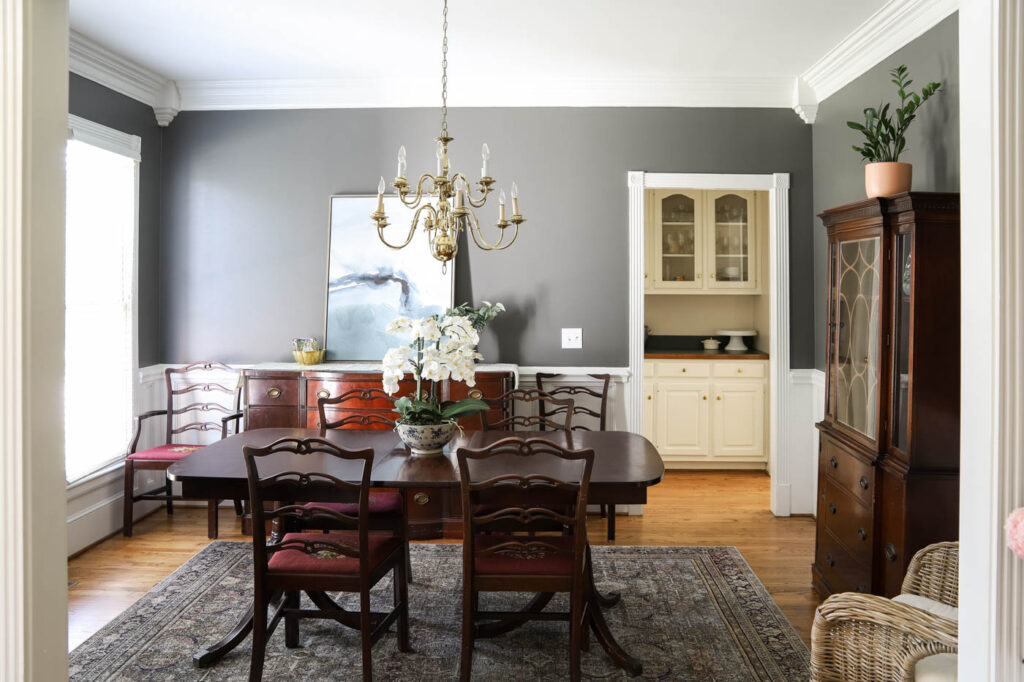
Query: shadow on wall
x: 935, y: 126
x: 508, y: 328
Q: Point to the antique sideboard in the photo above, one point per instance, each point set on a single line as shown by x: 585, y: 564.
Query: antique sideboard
x: 286, y: 395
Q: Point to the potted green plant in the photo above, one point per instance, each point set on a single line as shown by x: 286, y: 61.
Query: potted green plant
x: 443, y: 347
x: 885, y: 137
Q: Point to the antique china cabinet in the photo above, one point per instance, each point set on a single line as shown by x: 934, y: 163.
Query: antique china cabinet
x: 888, y: 468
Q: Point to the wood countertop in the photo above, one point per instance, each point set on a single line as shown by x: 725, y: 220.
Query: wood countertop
x: 752, y: 354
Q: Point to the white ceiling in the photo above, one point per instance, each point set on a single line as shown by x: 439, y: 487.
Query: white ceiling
x: 584, y: 52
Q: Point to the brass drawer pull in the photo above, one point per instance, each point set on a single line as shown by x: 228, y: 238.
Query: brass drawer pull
x: 323, y: 393
x: 648, y: 397
x: 718, y: 397
x: 862, y: 534
x: 863, y: 483
x: 832, y: 507
x: 739, y: 370
x: 274, y: 392
x: 683, y: 369
x: 703, y: 397
x: 890, y: 552
x: 834, y: 462
x: 421, y: 498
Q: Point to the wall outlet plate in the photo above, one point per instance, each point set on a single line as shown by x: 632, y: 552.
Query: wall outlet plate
x: 572, y: 337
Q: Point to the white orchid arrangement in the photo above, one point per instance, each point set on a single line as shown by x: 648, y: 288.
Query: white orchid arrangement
x: 442, y: 347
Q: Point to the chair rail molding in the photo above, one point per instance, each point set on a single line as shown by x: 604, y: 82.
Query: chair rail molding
x: 783, y: 458
x: 894, y: 25
x: 992, y: 321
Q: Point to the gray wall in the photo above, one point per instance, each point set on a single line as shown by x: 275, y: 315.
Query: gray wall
x: 245, y: 216
x: 106, y: 107
x: 933, y: 143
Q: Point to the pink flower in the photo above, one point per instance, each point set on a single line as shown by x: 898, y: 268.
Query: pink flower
x: 1015, y: 531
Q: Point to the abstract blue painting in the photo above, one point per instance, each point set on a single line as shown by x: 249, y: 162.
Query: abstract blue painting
x: 369, y: 284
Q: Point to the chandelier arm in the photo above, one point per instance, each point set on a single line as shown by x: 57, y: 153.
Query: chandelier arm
x: 475, y: 203
x: 418, y: 197
x: 480, y: 240
x: 408, y: 238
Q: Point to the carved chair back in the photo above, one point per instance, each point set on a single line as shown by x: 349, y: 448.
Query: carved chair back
x: 365, y: 418
x: 551, y: 410
x: 509, y: 402
x: 293, y: 473
x: 197, y: 394
x: 518, y: 485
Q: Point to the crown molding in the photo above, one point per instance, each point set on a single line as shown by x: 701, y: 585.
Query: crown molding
x: 726, y: 91
x: 91, y: 60
x: 894, y: 25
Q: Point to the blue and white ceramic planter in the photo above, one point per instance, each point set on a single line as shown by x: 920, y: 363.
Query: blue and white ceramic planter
x: 426, y: 439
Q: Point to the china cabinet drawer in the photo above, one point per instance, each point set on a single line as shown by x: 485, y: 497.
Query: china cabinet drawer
x: 738, y: 368
x: 697, y: 369
x: 272, y: 392
x: 847, y: 471
x: 850, y: 521
x: 838, y: 568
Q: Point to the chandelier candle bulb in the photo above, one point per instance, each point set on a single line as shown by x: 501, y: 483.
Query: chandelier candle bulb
x: 485, y: 153
x: 440, y: 155
x: 501, y: 206
x: 515, y: 199
x: 380, y: 194
x: 401, y: 162
x: 460, y: 185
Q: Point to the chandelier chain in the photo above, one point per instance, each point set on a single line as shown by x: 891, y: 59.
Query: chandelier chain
x: 444, y: 72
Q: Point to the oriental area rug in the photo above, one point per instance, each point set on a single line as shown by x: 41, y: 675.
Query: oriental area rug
x: 689, y: 613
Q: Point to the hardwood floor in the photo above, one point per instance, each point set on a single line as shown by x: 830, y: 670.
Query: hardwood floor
x: 687, y: 508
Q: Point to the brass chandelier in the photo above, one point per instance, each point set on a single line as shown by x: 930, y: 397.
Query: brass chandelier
x: 451, y: 215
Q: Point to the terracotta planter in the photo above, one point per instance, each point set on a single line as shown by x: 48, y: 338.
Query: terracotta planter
x: 887, y: 178
x: 426, y: 439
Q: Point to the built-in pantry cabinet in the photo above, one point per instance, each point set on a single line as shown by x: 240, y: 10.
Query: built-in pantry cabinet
x: 701, y: 242
x: 705, y: 413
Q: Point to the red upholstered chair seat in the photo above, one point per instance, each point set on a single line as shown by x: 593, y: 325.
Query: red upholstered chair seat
x: 505, y: 564
x: 381, y: 545
x: 381, y: 504
x: 166, y: 452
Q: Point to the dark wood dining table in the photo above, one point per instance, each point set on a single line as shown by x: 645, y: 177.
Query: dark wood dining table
x: 625, y: 465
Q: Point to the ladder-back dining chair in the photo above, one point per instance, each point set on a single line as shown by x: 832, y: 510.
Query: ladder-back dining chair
x: 517, y: 486
x: 537, y: 422
x: 199, y: 401
x: 349, y: 558
x: 361, y: 409
x: 598, y: 417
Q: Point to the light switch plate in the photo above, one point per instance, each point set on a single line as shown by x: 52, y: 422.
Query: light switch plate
x: 572, y: 337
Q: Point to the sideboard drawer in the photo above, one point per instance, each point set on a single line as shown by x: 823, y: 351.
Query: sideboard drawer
x: 317, y: 388
x: 286, y: 417
x: 850, y: 521
x: 313, y: 418
x: 849, y: 472
x: 272, y: 392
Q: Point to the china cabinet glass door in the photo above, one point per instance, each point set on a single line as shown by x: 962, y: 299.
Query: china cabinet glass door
x: 901, y: 341
x: 730, y: 263
x: 855, y: 334
x: 678, y: 240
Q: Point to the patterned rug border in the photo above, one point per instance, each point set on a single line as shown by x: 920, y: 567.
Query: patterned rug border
x: 773, y: 652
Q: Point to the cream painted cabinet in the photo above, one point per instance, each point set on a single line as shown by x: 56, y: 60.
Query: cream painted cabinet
x: 705, y: 413
x: 701, y: 241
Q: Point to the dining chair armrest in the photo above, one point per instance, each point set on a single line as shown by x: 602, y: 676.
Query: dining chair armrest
x: 138, y: 427
x: 224, y: 423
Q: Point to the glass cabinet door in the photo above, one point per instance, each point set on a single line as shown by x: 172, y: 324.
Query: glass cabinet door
x: 730, y: 240
x: 677, y: 240
x: 855, y: 334
x: 901, y: 341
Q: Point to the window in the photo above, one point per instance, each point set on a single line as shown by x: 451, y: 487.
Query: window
x: 100, y: 330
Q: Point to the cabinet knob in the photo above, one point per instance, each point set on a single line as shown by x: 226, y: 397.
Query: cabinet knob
x: 832, y: 507
x: 421, y: 498
x: 890, y: 552
x: 718, y: 397
x: 834, y: 462
x: 274, y: 392
x: 698, y: 275
x: 863, y: 483
x: 648, y: 397
x: 683, y: 370
x: 739, y: 370
x: 862, y: 534
x: 829, y: 560
x: 703, y: 397
x: 323, y: 393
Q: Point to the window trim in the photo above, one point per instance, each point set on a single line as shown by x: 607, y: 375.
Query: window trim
x: 130, y: 146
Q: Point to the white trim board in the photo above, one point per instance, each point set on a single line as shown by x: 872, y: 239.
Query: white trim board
x: 894, y: 25
x: 784, y: 463
x: 110, y: 139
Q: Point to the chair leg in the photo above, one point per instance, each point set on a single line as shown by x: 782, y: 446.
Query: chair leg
x: 469, y: 602
x: 238, y: 508
x: 129, y: 497
x: 291, y: 622
x: 365, y: 633
x: 211, y: 519
x: 408, y: 562
x: 169, y: 489
x: 259, y: 638
x: 611, y: 522
x: 576, y: 635
x: 602, y: 511
x: 401, y: 579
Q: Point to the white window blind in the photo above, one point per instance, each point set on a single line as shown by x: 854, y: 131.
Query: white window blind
x: 102, y: 193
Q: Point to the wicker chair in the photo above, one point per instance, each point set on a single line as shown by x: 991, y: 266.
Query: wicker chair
x: 866, y: 637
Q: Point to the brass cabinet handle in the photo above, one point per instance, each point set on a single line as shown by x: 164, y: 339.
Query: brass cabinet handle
x: 703, y: 397
x: 712, y: 275
x: 863, y: 483
x: 274, y: 392
x: 890, y: 552
x: 421, y: 498
x: 698, y: 275
x: 832, y: 507
x: 739, y: 370
x: 718, y: 397
x: 683, y: 369
x: 323, y: 393
x: 648, y: 397
x: 834, y: 462
x: 476, y: 393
